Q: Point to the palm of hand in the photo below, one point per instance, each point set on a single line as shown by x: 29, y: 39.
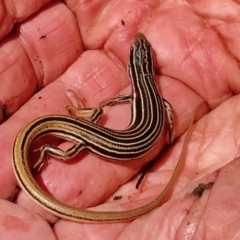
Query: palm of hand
x: 193, y: 64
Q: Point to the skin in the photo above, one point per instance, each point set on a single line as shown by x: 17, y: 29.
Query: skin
x: 196, y: 60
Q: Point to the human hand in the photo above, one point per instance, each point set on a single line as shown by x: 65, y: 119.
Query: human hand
x: 195, y: 62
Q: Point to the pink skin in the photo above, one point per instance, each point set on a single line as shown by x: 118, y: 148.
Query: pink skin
x: 84, y: 47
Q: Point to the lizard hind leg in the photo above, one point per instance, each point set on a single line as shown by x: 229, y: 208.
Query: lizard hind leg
x: 56, y: 152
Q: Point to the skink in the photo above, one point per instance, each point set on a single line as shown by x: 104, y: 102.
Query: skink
x: 143, y: 138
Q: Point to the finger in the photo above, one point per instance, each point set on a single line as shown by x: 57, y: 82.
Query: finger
x: 39, y: 50
x: 18, y: 223
x: 15, y: 11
